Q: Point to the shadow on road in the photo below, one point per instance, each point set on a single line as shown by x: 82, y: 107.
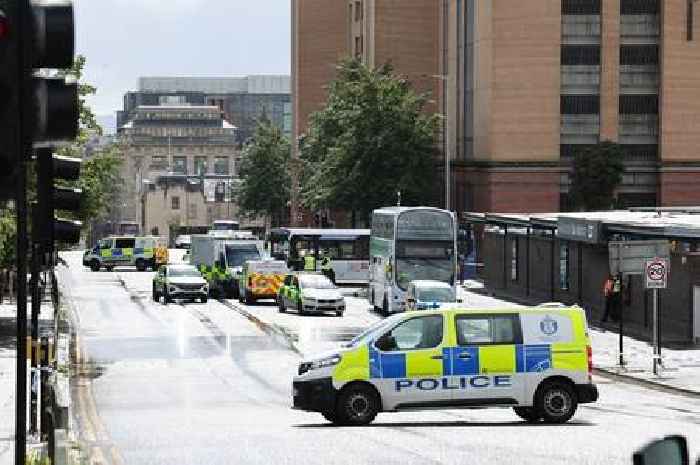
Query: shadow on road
x: 450, y: 424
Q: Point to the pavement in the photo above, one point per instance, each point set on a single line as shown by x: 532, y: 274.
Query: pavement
x: 8, y: 371
x: 681, y: 367
x: 210, y: 383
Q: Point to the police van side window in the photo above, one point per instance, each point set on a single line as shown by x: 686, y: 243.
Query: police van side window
x: 416, y: 333
x: 488, y: 329
x: 124, y: 244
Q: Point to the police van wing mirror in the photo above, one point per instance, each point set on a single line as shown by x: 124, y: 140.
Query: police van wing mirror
x: 671, y: 450
x: 386, y: 343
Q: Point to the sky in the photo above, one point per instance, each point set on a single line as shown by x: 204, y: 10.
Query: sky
x: 123, y: 40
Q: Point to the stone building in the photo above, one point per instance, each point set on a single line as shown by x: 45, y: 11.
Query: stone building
x: 180, y: 163
x: 243, y: 100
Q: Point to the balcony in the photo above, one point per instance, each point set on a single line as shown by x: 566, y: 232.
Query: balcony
x: 639, y: 79
x: 580, y: 79
x: 580, y: 29
x: 639, y: 29
x: 638, y: 129
x: 580, y: 129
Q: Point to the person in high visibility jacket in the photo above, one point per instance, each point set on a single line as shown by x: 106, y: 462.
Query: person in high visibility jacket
x: 327, y: 268
x: 309, y: 262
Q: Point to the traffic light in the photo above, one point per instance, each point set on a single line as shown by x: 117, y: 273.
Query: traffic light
x: 50, y: 198
x: 9, y: 97
x: 35, y: 108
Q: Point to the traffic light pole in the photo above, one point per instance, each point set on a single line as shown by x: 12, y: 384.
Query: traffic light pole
x: 23, y: 146
x: 21, y: 394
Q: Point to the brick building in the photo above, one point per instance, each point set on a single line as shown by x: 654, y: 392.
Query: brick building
x: 405, y: 33
x: 532, y: 82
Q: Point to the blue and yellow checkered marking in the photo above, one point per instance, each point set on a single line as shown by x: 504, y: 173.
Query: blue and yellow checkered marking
x: 470, y: 360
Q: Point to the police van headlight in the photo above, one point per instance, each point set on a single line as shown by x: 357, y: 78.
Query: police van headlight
x: 325, y: 362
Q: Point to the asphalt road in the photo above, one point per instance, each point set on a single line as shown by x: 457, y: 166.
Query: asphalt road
x: 200, y: 383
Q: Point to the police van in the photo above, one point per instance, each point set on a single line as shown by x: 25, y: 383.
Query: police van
x: 536, y: 360
x: 141, y: 252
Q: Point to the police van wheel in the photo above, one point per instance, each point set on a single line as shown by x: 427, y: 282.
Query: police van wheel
x: 358, y: 405
x: 529, y: 414
x: 140, y: 264
x: 555, y: 402
x: 95, y: 265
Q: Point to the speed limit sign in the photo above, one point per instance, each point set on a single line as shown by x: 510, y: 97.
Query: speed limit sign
x: 656, y: 273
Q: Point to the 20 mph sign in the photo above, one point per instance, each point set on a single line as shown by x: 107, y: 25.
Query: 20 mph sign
x: 656, y: 272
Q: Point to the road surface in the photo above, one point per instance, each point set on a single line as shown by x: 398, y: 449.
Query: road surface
x: 200, y: 383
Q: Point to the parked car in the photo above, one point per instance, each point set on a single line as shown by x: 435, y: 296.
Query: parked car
x: 310, y: 293
x: 426, y: 294
x: 183, y: 241
x: 179, y: 282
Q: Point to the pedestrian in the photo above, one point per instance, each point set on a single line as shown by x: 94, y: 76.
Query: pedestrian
x: 309, y: 261
x: 461, y: 268
x: 607, y: 295
x: 327, y: 268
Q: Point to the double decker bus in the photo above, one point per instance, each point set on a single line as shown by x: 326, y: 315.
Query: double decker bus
x: 409, y: 243
x: 348, y: 250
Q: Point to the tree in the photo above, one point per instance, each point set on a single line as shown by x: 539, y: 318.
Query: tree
x: 597, y: 171
x: 264, y: 174
x: 371, y: 141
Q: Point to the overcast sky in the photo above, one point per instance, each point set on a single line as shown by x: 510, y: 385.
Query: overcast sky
x: 125, y: 39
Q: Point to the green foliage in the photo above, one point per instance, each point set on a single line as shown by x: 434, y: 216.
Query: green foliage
x: 8, y: 237
x: 370, y: 141
x: 597, y: 171
x: 100, y: 181
x: 264, y: 174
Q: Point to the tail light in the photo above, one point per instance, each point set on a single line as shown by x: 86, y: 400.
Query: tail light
x: 589, y: 352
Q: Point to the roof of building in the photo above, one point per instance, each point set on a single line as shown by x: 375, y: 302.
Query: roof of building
x: 678, y: 222
x: 252, y: 84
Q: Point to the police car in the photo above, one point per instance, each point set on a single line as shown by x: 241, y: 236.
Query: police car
x: 535, y: 360
x: 424, y: 294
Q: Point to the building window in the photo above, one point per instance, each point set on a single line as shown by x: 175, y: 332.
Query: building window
x: 180, y: 165
x: 358, y: 46
x: 580, y: 55
x: 514, y: 259
x: 639, y: 7
x: 580, y: 104
x: 358, y: 11
x: 175, y: 203
x: 639, y: 104
x: 564, y: 267
x: 158, y: 163
x: 200, y: 166
x: 580, y: 7
x: 221, y: 165
x: 639, y: 55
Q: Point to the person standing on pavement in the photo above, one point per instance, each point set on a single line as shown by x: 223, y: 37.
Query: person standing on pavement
x: 607, y: 295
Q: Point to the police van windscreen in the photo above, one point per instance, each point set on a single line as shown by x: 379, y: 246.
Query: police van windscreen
x: 237, y: 255
x: 436, y: 294
x: 375, y: 329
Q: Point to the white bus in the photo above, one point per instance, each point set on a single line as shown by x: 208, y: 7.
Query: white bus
x: 348, y: 250
x: 409, y: 243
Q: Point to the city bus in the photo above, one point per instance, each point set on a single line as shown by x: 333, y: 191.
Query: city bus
x: 348, y: 250
x: 409, y: 243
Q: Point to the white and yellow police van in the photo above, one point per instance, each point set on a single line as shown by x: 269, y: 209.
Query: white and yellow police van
x: 534, y: 359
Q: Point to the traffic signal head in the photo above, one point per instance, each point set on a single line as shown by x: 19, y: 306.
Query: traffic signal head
x: 49, y: 228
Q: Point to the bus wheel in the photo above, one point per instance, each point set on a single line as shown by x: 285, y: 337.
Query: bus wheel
x: 141, y: 264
